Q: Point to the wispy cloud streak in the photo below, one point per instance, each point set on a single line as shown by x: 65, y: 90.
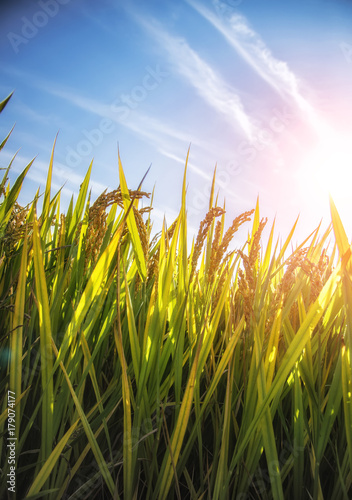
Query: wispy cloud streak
x: 249, y: 45
x: 200, y: 75
x: 190, y: 165
x: 150, y: 128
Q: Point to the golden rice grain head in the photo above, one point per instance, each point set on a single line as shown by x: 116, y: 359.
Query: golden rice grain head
x: 15, y: 228
x: 142, y: 231
x: 217, y: 257
x: 171, y: 230
x: 223, y: 277
x: 285, y: 286
x: 255, y: 248
x: 202, y: 234
x: 237, y: 222
x: 244, y: 290
x: 153, y: 266
x: 215, y: 244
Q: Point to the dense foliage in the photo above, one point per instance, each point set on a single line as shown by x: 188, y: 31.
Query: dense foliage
x: 144, y: 369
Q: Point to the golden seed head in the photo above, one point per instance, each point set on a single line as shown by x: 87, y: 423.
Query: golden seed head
x: 202, y: 234
x: 16, y: 227
x: 217, y: 256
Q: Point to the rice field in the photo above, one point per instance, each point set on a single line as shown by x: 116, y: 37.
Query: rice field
x: 143, y: 368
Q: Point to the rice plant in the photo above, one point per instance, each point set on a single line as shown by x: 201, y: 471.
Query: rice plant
x: 144, y: 369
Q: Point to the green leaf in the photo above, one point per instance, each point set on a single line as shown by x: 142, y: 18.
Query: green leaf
x: 79, y: 207
x: 132, y: 226
x: 46, y: 356
x: 17, y: 329
x: 94, y: 286
x: 5, y: 101
x: 50, y: 463
x: 347, y: 398
x: 291, y: 356
x: 46, y: 203
x: 89, y: 433
x: 340, y: 234
x: 6, y: 138
x: 9, y: 202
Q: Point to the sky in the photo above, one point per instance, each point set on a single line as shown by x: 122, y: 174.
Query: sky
x: 261, y: 90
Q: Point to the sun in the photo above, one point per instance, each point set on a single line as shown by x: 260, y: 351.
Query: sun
x: 327, y: 169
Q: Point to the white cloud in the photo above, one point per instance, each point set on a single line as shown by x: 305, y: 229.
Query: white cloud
x: 190, y: 165
x: 249, y: 45
x: 156, y: 131
x: 199, y: 74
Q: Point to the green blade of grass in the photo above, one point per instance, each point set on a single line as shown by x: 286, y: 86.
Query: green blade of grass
x: 6, y: 139
x: 5, y: 177
x: 132, y: 226
x: 82, y: 457
x: 221, y: 367
x: 50, y: 463
x: 224, y: 448
x: 255, y: 226
x: 340, y: 234
x: 45, y: 216
x: 46, y: 358
x: 8, y: 204
x: 347, y: 398
x: 128, y: 465
x: 79, y: 207
x: 88, y: 430
x: 5, y: 101
x: 94, y: 286
x: 298, y: 430
x: 291, y: 356
x: 17, y: 329
x: 173, y: 451
x: 267, y: 425
x: 132, y: 331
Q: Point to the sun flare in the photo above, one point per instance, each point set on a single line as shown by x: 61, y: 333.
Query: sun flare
x: 327, y: 169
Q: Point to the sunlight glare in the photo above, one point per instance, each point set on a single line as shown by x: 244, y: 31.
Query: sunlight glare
x: 327, y: 169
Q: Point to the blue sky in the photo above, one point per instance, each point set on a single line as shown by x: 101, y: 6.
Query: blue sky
x: 260, y: 89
